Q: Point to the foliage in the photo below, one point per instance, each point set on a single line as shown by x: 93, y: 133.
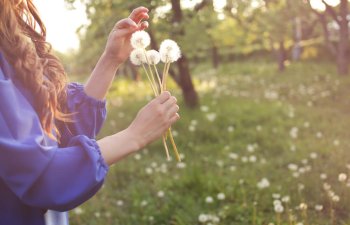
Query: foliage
x: 252, y: 124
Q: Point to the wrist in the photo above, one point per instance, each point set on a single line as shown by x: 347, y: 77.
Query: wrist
x: 112, y: 58
x: 134, y: 142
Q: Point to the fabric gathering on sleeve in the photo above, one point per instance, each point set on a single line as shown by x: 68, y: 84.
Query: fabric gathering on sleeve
x: 89, y: 114
x: 35, y: 168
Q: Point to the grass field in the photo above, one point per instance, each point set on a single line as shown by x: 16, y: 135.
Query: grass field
x: 264, y: 147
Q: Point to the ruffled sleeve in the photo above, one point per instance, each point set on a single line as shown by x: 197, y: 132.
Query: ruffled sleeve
x: 36, y: 170
x: 89, y: 114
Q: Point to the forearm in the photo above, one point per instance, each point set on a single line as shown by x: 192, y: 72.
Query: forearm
x: 101, y: 77
x: 116, y: 147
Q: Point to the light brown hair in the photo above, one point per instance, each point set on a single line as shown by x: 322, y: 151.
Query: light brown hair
x: 23, y: 43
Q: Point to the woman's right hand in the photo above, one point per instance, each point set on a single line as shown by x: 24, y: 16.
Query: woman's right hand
x: 154, y: 119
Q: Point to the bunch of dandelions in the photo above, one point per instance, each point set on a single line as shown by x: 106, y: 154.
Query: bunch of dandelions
x: 169, y: 52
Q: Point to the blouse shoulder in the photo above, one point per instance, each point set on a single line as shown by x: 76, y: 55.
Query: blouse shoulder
x: 76, y: 93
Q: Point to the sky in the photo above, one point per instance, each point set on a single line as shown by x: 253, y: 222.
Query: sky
x: 62, y: 23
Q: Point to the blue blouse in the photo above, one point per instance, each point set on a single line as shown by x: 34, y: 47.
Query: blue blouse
x: 37, y: 173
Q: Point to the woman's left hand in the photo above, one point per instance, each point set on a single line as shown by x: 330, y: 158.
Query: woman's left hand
x: 118, y: 46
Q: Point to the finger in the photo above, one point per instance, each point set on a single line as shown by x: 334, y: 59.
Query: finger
x: 163, y: 97
x: 143, y: 25
x: 125, y: 23
x: 170, y: 102
x: 175, y: 118
x: 136, y: 12
x: 140, y: 17
x: 174, y: 109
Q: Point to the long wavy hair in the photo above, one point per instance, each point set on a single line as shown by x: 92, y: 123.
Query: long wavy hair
x: 23, y: 43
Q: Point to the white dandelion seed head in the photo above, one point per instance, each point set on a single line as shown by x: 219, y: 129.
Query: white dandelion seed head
x: 276, y: 196
x: 221, y: 196
x: 303, y: 206
x: 169, y: 51
x: 153, y: 57
x: 279, y: 208
x: 286, y: 199
x: 335, y: 198
x: 277, y: 202
x: 160, y: 194
x: 318, y: 207
x: 137, y: 57
x: 140, y: 39
x: 342, y: 177
x: 323, y: 176
x: 264, y: 183
x: 203, y: 218
x: 209, y: 199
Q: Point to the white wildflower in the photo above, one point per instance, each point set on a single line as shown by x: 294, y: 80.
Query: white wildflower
x: 323, y: 176
x: 143, y: 203
x: 264, y: 183
x: 160, y: 194
x: 279, y: 208
x: 286, y: 199
x: 233, y: 155
x: 169, y: 51
x: 252, y: 158
x: 153, y: 57
x: 149, y: 170
x: 326, y: 186
x: 137, y: 156
x: 140, y: 39
x: 137, y: 57
x: 181, y: 165
x: 313, y: 155
x: 292, y: 167
x: 335, y: 198
x: 209, y: 199
x: 119, y: 203
x: 318, y: 207
x: 230, y: 129
x: 294, y: 132
x: 303, y: 206
x: 342, y: 177
x: 336, y: 142
x: 277, y: 202
x: 202, y: 218
x: 276, y: 196
x: 221, y: 196
x: 78, y: 211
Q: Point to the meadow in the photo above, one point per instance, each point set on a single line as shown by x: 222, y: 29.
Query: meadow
x: 263, y: 148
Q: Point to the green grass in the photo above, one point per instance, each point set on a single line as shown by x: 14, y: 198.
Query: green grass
x: 247, y: 110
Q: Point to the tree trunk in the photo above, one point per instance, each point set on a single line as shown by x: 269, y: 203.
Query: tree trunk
x: 184, y: 77
x: 329, y: 44
x: 281, y: 56
x: 297, y: 39
x: 342, y: 59
x: 215, y: 56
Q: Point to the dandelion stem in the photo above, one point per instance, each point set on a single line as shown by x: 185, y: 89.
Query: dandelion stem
x: 174, y: 145
x: 166, y: 147
x: 158, y: 77
x: 151, y: 72
x: 278, y: 218
x: 149, y: 79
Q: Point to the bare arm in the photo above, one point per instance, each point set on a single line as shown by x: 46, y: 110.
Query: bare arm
x: 150, y: 123
x: 116, y: 52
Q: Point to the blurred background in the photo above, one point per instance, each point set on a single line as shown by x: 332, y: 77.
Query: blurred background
x: 263, y: 87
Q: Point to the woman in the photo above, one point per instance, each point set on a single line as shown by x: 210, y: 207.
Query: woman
x: 49, y: 160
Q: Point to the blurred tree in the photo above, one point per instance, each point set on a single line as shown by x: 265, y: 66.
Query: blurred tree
x: 340, y: 16
x: 166, y: 20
